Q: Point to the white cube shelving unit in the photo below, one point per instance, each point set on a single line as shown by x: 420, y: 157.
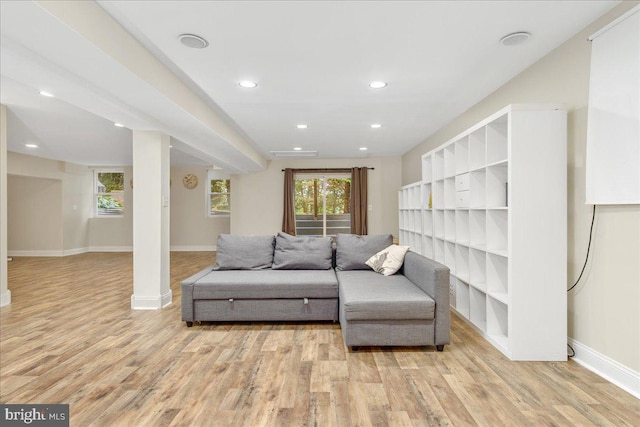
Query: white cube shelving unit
x: 493, y: 205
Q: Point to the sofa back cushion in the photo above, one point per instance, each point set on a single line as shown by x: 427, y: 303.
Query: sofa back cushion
x: 301, y: 253
x: 244, y: 252
x: 353, y: 251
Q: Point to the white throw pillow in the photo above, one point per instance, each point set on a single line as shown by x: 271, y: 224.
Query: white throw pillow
x: 389, y: 260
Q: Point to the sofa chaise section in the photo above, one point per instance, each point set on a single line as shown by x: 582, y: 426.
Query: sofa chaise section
x: 410, y: 308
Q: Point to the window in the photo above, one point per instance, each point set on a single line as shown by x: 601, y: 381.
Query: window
x: 219, y: 200
x: 322, y: 204
x: 109, y: 192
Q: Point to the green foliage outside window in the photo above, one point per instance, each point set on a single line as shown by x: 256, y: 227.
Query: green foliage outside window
x: 110, y: 189
x: 220, y: 197
x: 309, y: 192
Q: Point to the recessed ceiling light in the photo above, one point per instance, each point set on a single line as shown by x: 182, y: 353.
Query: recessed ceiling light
x: 297, y: 148
x: 247, y: 84
x: 515, y: 38
x: 193, y: 41
x: 376, y: 125
x: 363, y: 148
x: 302, y: 126
x: 31, y: 145
x: 43, y: 93
x: 171, y: 146
x: 118, y: 125
x: 377, y: 84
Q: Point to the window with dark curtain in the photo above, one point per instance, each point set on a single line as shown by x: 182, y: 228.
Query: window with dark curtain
x: 289, y: 216
x: 359, y: 200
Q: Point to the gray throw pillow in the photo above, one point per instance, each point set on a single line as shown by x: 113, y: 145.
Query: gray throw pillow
x: 244, y: 252
x: 353, y: 251
x: 301, y: 253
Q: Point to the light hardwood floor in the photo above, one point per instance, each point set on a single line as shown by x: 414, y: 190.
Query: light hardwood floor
x: 70, y: 337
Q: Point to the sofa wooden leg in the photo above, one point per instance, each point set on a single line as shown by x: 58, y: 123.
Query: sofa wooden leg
x: 354, y: 348
x: 440, y: 347
x: 189, y: 324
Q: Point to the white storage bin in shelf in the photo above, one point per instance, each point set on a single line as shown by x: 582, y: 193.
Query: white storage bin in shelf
x: 497, y: 276
x: 462, y: 227
x: 498, y: 322
x: 497, y: 141
x: 478, y: 268
x: 427, y: 223
x: 438, y: 248
x: 438, y: 194
x: 438, y: 219
x: 477, y: 229
x: 497, y: 231
x: 449, y: 193
x: 462, y: 298
x: 450, y: 160
x: 462, y: 182
x: 427, y: 246
x: 438, y: 165
x: 462, y: 155
x: 477, y: 184
x: 450, y: 256
x: 478, y: 308
x: 496, y: 185
x: 462, y: 262
x: 477, y: 149
x: 427, y: 168
x: 450, y: 225
x: 462, y: 199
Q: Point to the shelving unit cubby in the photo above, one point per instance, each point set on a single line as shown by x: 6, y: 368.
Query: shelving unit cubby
x: 507, y: 255
x: 411, y: 215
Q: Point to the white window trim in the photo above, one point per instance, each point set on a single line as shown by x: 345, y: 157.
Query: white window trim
x: 211, y: 175
x: 96, y: 194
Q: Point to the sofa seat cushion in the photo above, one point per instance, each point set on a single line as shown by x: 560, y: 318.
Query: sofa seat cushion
x: 366, y: 295
x: 264, y: 284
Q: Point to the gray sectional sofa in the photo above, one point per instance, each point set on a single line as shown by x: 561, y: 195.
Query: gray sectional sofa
x: 287, y: 278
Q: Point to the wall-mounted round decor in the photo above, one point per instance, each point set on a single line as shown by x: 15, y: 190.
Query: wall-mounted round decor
x: 190, y: 181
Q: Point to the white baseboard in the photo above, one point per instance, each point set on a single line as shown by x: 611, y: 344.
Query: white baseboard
x: 151, y: 303
x: 614, y: 372
x: 5, y: 297
x: 110, y: 249
x: 35, y: 253
x: 193, y: 248
x: 76, y: 251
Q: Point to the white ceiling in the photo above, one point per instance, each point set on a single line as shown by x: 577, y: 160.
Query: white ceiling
x: 312, y: 61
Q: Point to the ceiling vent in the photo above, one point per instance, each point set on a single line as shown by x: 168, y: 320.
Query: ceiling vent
x: 193, y: 41
x: 515, y: 38
x: 294, y: 153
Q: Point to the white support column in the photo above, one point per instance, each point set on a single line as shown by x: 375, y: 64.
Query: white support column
x: 151, y: 286
x: 5, y: 293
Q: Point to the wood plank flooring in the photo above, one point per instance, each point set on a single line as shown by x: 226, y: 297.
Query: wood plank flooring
x: 70, y: 337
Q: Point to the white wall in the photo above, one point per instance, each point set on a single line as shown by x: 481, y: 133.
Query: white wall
x: 257, y: 198
x: 191, y: 227
x: 50, y: 226
x: 34, y: 216
x: 114, y: 233
x: 604, y: 310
